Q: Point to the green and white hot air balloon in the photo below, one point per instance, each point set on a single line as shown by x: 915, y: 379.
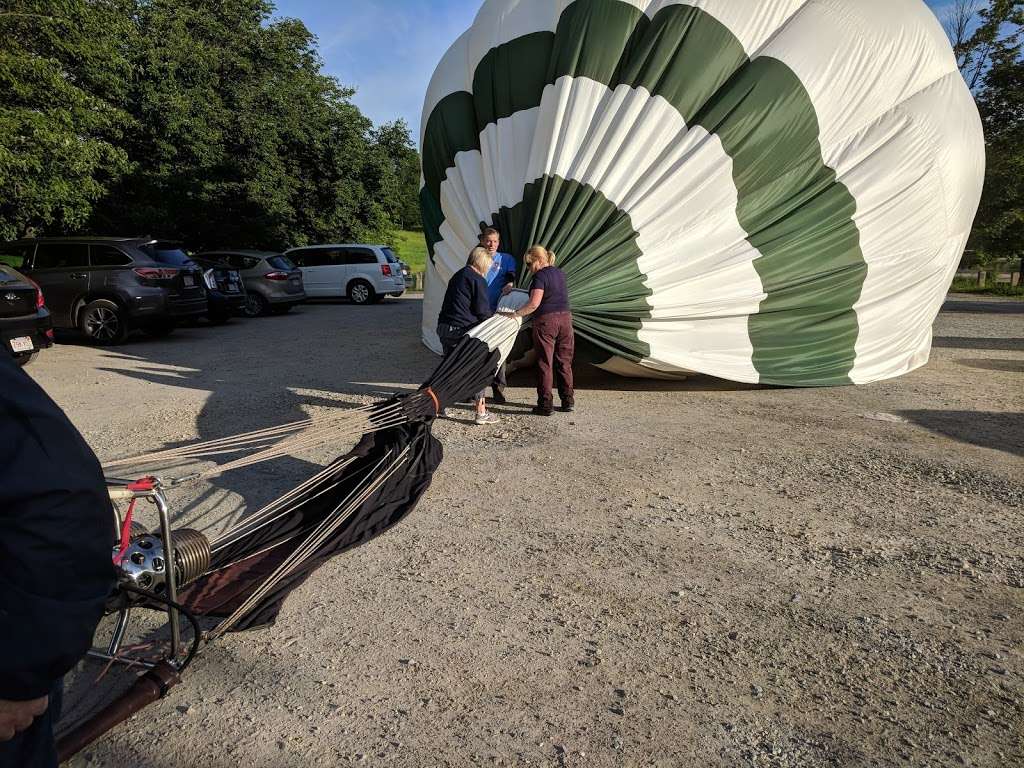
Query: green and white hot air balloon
x: 772, y: 191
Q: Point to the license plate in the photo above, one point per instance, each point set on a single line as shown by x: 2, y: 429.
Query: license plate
x: 22, y: 344
x: 190, y: 282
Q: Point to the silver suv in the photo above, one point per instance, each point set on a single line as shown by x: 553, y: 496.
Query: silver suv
x: 363, y: 273
x: 273, y: 285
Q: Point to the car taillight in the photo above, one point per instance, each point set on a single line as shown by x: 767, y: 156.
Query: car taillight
x: 40, y: 301
x: 151, y: 273
x: 385, y: 269
x: 276, y: 276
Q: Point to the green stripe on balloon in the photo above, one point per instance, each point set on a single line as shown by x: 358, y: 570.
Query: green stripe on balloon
x: 596, y: 247
x: 793, y: 209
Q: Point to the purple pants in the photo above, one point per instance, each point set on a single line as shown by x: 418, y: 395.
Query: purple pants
x: 555, y: 344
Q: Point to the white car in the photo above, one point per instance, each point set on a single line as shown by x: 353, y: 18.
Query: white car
x: 363, y: 273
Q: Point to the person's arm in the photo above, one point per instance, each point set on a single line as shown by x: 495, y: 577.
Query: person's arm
x: 54, y: 508
x: 510, y: 276
x: 481, y: 306
x: 536, y: 297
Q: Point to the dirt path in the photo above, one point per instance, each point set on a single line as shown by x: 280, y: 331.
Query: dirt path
x: 693, y: 574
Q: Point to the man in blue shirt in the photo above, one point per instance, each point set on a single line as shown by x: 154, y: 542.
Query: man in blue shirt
x: 501, y: 278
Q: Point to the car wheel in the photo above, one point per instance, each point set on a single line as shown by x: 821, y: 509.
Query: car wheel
x: 255, y: 305
x: 361, y: 292
x: 25, y: 359
x: 103, y: 322
x: 159, y: 330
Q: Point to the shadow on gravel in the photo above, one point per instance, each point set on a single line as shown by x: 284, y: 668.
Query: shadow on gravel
x: 984, y: 307
x: 1008, y: 366
x: 267, y: 372
x: 975, y: 343
x: 999, y: 431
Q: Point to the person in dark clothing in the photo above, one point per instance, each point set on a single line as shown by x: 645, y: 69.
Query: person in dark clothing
x: 553, y: 337
x: 56, y: 537
x: 467, y: 304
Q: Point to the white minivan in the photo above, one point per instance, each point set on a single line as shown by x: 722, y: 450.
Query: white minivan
x: 363, y: 273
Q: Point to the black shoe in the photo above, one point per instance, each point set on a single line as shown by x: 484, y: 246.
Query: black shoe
x: 541, y: 411
x: 498, y: 396
x: 567, y: 407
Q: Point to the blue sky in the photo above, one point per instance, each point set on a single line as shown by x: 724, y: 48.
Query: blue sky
x: 388, y: 49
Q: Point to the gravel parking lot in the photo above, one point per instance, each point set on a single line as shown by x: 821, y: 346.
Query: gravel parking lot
x: 680, y: 574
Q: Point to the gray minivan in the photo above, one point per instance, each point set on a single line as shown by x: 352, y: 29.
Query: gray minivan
x: 363, y: 273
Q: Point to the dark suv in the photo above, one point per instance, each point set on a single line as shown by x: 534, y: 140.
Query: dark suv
x: 106, y: 286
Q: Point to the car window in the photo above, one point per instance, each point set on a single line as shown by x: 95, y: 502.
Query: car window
x: 171, y: 255
x: 107, y: 256
x: 61, y: 256
x: 14, y: 255
x: 390, y: 255
x: 237, y: 260
x: 359, y: 256
x: 280, y: 262
x: 315, y: 257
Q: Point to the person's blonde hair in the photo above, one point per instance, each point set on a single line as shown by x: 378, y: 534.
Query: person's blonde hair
x: 479, y: 258
x: 539, y: 252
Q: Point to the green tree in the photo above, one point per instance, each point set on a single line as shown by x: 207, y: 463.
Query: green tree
x: 987, y: 39
x: 394, y: 141
x: 64, y: 70
x: 242, y: 140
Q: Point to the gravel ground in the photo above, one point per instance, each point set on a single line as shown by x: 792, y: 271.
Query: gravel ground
x: 691, y: 574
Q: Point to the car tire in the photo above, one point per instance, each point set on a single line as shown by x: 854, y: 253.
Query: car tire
x: 255, y: 306
x: 361, y: 292
x: 24, y: 359
x: 159, y: 330
x: 103, y: 322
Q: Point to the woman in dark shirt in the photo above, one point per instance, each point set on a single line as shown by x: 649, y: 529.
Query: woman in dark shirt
x: 553, y: 337
x: 467, y: 304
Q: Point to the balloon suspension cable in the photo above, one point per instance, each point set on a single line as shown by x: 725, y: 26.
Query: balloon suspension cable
x: 272, y: 443
x: 338, y: 517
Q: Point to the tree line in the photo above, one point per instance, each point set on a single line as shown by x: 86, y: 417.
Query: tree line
x: 211, y: 121
x: 208, y: 121
x: 988, y: 38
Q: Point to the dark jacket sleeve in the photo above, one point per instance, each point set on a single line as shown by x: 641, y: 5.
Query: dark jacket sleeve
x: 481, y: 306
x: 56, y: 537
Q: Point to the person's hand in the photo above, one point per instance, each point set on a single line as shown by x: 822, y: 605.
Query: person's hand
x: 507, y: 289
x: 16, y: 716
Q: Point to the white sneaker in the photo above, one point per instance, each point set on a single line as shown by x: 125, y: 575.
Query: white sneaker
x: 482, y: 419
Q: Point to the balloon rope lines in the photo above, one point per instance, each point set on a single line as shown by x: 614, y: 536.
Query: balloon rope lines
x: 338, y: 517
x: 275, y: 442
x: 248, y: 440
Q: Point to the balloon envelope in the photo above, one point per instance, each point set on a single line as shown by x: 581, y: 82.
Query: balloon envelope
x: 774, y: 192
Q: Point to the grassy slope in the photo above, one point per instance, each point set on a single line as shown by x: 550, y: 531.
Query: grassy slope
x: 961, y: 285
x: 411, y: 248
